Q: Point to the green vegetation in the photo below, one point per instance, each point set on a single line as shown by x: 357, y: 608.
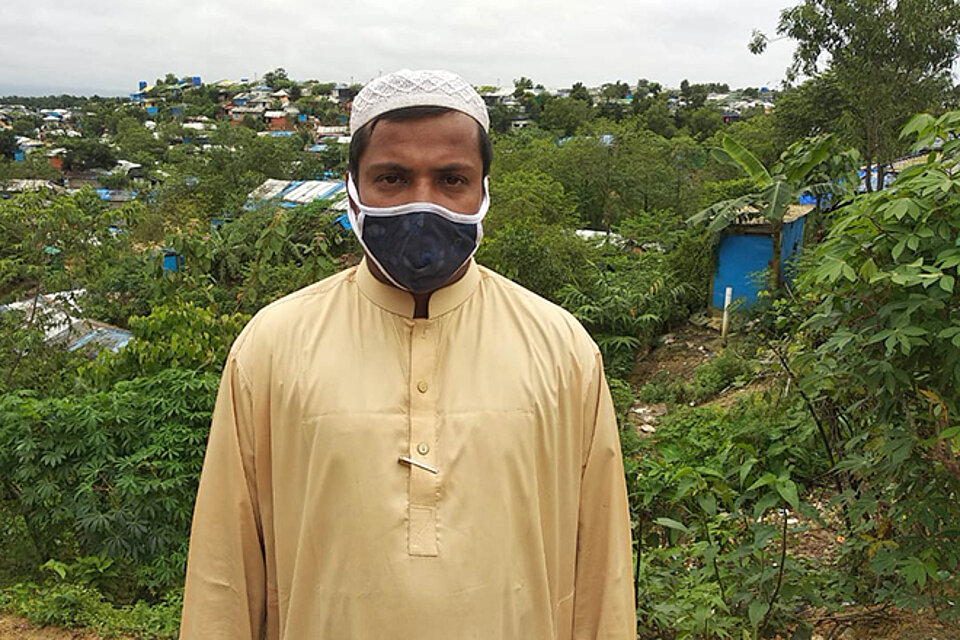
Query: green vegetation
x: 729, y: 369
x: 844, y: 424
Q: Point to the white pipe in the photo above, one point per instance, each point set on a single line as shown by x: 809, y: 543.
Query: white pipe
x: 728, y: 298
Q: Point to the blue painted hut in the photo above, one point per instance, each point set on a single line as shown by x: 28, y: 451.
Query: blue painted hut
x: 746, y: 252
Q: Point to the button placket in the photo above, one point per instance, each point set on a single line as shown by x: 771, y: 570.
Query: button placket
x: 423, y: 486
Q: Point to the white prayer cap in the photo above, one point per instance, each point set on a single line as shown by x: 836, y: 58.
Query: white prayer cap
x: 422, y: 88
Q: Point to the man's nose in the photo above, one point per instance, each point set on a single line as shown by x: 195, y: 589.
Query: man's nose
x: 423, y: 190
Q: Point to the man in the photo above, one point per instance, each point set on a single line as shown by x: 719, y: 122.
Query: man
x: 415, y: 447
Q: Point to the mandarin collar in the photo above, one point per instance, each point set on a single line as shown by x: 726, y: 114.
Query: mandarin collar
x: 401, y: 302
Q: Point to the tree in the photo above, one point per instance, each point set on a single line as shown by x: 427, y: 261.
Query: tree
x: 530, y: 236
x: 812, y: 108
x: 499, y: 118
x: 580, y: 92
x: 614, y: 90
x: 84, y: 154
x: 521, y: 85
x: 657, y: 118
x: 8, y: 143
x: 26, y: 127
x: 890, y: 60
x: 644, y: 95
x: 253, y: 123
x: 277, y: 79
x: 565, y: 114
x: 137, y: 143
x: 759, y: 134
x: 703, y: 122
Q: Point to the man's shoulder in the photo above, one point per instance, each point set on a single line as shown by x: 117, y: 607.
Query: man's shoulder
x: 283, y: 314
x: 535, y: 312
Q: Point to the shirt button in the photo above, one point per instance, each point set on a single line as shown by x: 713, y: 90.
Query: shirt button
x: 422, y: 386
x: 423, y: 448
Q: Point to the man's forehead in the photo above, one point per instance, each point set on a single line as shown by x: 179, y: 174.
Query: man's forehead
x: 450, y: 132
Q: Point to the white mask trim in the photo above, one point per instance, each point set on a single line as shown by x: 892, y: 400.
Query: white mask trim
x: 356, y: 218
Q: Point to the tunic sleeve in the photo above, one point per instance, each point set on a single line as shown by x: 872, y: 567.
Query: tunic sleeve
x: 604, y: 606
x: 224, y: 595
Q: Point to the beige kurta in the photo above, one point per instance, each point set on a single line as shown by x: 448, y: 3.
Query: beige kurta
x: 308, y: 524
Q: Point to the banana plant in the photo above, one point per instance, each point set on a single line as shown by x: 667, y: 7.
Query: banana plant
x: 816, y: 166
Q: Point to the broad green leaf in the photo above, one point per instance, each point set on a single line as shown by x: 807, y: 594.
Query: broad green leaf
x: 708, y: 502
x: 764, y: 480
x: 777, y: 197
x: 746, y: 160
x: 898, y: 249
x: 757, y: 610
x: 768, y: 501
x: 868, y: 269
x: 898, y: 209
x: 917, y: 125
x: 914, y: 571
x: 670, y: 523
x: 952, y: 432
x: 788, y: 491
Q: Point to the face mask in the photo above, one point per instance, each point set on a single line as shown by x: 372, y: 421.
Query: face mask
x: 419, y: 245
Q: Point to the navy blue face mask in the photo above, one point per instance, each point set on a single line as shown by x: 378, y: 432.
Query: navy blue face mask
x: 420, y: 251
x: 418, y: 246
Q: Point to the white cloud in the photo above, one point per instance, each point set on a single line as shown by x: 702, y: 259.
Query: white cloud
x: 107, y: 46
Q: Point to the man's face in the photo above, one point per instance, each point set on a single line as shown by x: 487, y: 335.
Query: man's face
x: 433, y: 159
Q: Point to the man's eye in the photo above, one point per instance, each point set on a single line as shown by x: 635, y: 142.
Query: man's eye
x: 390, y: 178
x: 454, y: 180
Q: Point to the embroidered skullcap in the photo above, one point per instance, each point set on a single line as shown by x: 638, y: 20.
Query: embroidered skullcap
x: 421, y: 88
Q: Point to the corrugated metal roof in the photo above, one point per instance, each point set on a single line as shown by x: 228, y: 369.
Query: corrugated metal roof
x: 312, y: 190
x: 297, y: 191
x: 269, y: 189
x: 101, y: 337
x: 54, y: 312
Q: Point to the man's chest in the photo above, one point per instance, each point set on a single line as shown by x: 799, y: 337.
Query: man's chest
x: 416, y: 421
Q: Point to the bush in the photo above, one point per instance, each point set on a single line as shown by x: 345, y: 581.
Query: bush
x: 728, y: 368
x: 542, y: 258
x: 66, y: 604
x: 711, y: 493
x: 111, y: 472
x: 878, y: 357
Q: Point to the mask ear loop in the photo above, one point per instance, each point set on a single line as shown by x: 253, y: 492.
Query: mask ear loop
x: 356, y: 224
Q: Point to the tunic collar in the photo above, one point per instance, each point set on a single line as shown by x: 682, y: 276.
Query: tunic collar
x: 401, y: 302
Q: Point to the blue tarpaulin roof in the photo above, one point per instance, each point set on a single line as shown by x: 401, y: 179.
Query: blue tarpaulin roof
x: 104, y: 338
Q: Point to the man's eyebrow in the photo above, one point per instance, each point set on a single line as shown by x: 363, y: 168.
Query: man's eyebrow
x: 453, y: 166
x: 388, y: 166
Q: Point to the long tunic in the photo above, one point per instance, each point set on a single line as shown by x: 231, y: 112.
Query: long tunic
x: 508, y: 518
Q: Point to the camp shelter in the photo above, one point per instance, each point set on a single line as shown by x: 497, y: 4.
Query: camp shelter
x: 746, y: 251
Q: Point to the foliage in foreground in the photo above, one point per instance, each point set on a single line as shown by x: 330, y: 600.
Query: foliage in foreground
x: 711, y: 495
x: 70, y: 603
x: 111, y: 472
x: 879, y: 363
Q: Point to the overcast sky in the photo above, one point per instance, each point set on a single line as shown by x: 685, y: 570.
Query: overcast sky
x: 106, y: 46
